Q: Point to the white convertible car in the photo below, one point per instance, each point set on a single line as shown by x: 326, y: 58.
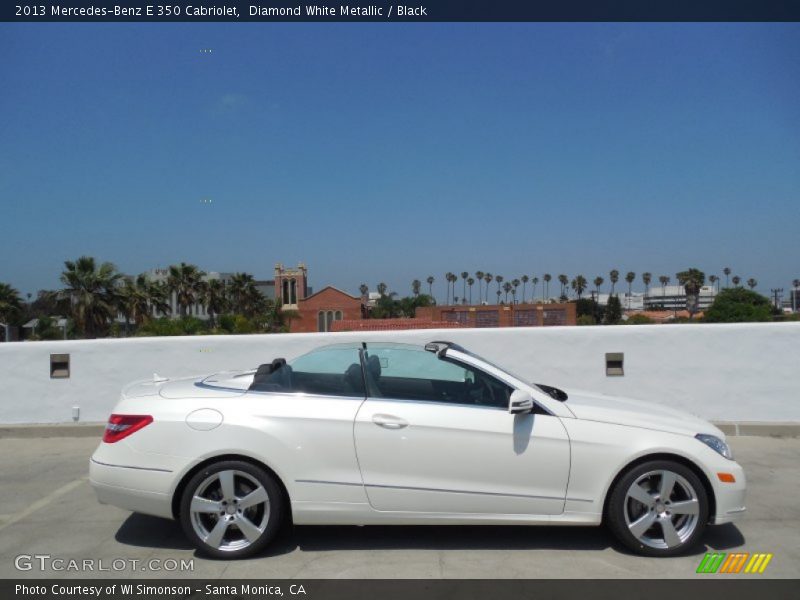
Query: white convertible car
x: 374, y: 433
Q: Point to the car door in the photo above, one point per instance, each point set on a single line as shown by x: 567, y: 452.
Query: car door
x: 435, y: 436
x: 306, y: 410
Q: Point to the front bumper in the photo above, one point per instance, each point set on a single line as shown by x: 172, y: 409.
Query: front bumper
x: 730, y: 497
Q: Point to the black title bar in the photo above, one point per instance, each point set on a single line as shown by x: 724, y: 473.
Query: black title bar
x: 422, y: 11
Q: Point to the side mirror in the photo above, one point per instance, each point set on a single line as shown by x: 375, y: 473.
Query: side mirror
x: 521, y: 402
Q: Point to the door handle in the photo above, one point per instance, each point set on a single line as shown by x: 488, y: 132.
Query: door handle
x: 389, y: 421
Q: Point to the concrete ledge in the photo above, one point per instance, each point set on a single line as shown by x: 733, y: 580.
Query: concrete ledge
x: 760, y: 429
x: 50, y: 430
x: 730, y: 428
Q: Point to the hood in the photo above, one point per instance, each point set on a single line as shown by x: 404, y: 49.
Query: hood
x: 636, y: 413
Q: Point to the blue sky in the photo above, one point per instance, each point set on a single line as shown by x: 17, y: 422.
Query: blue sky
x: 385, y: 152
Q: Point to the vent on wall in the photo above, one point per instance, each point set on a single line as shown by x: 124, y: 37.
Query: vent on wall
x: 59, y: 366
x: 614, y: 362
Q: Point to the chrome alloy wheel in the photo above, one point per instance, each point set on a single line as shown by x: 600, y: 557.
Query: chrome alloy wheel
x: 230, y: 510
x: 661, y: 509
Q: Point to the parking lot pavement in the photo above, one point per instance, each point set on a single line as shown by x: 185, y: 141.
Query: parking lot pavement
x: 48, y: 508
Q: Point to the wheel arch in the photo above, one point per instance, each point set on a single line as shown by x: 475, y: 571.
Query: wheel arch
x: 179, y: 489
x: 694, y: 467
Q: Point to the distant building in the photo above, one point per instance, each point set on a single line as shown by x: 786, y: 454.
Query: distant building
x: 502, y: 315
x: 673, y: 297
x: 319, y: 312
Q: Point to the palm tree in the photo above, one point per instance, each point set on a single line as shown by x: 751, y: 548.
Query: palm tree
x: 546, y: 289
x: 736, y: 280
x: 515, y: 282
x: 752, y: 283
x: 630, y: 276
x: 10, y: 306
x: 158, y: 298
x: 564, y: 281
x: 525, y: 280
x: 613, y: 277
x: 10, y: 302
x: 598, y: 281
x: 488, y: 279
x: 453, y: 281
x: 184, y: 281
x: 498, y: 295
x: 727, y: 271
x: 448, y: 279
x: 241, y: 288
x: 507, y: 287
x: 691, y: 280
x: 430, y: 281
x: 498, y: 280
x: 664, y: 281
x: 134, y: 300
x: 579, y: 285
x: 534, y: 281
x: 91, y: 293
x: 214, y: 296
x: 714, y: 280
x: 364, y: 289
x: 795, y: 285
x: 479, y: 278
x: 382, y: 287
x: 470, y: 283
x: 647, y: 277
x: 464, y: 276
x: 415, y: 287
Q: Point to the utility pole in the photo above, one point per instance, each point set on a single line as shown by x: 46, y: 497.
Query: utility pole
x: 777, y: 294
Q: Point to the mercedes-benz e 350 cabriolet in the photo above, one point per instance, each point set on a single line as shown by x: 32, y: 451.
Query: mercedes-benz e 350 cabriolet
x: 381, y: 433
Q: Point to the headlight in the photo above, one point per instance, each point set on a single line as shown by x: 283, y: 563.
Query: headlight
x: 715, y: 444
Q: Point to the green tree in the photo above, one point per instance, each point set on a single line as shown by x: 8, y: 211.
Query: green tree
x: 498, y: 279
x: 10, y: 304
x: 737, y: 305
x: 534, y: 281
x: 692, y: 280
x: 752, y: 283
x: 564, y: 281
x: 714, y: 279
x: 416, y: 285
x: 546, y: 288
x: 90, y: 294
x: 525, y: 280
x: 727, y: 271
x: 430, y: 281
x: 736, y: 280
x: 470, y: 283
x: 382, y: 288
x: 364, y: 289
x: 613, y: 313
x: 214, y: 296
x: 507, y: 288
x: 184, y: 281
x: 464, y: 277
x: 515, y: 283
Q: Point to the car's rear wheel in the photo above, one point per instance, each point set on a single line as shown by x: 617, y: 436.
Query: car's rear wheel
x: 231, y: 509
x: 658, y: 508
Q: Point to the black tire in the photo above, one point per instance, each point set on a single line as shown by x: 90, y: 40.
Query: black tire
x: 619, y: 504
x: 268, y: 516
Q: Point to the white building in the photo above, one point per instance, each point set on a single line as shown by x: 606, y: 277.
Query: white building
x: 673, y: 297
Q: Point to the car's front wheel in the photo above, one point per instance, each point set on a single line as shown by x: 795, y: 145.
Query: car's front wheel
x: 658, y: 508
x: 231, y: 509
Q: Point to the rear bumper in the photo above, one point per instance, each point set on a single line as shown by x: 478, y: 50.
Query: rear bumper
x: 133, y: 488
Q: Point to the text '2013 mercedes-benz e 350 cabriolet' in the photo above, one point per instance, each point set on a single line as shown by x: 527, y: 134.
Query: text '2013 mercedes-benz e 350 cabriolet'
x: 383, y: 433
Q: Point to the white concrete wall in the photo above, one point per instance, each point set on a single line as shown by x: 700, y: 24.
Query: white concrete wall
x: 748, y: 372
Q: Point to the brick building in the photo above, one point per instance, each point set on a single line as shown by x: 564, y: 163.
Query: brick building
x: 319, y: 311
x: 501, y: 315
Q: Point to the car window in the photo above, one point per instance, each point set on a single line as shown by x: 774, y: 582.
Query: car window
x: 404, y: 373
x: 328, y: 371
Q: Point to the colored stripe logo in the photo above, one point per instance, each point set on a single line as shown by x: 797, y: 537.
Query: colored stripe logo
x: 735, y: 562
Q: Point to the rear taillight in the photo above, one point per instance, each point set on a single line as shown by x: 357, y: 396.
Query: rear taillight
x: 121, y: 426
